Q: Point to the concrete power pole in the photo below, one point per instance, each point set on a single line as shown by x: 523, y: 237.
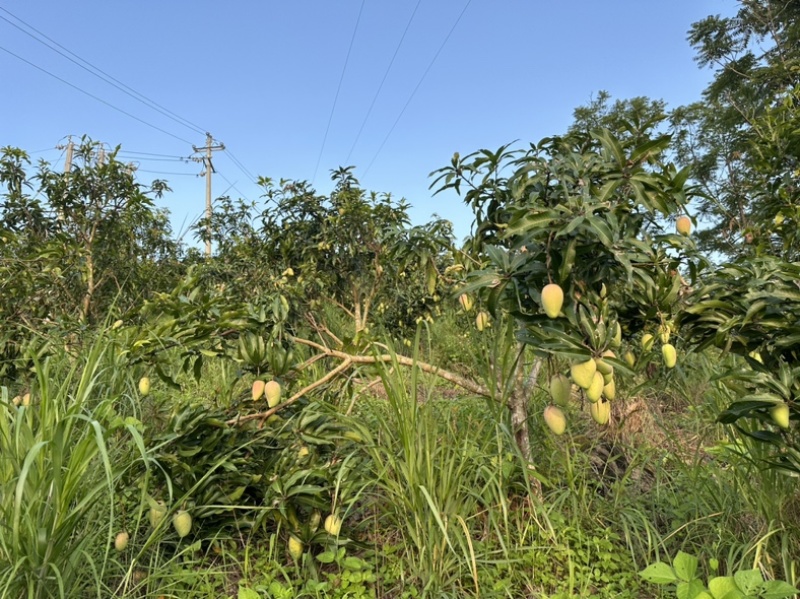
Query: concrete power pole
x: 70, y: 147
x: 68, y: 160
x: 209, y: 169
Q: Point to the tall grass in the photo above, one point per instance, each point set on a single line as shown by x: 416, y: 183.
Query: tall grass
x: 57, y: 477
x: 436, y: 480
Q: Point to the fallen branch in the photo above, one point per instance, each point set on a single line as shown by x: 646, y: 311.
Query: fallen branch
x: 404, y: 360
x: 264, y: 415
x: 347, y: 361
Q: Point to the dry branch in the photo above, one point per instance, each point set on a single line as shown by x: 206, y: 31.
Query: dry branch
x: 347, y: 361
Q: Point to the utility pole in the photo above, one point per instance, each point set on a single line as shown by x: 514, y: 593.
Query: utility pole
x: 68, y: 160
x: 209, y: 169
x: 67, y: 165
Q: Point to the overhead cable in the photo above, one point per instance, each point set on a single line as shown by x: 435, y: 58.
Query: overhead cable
x: 99, y: 73
x: 380, y: 87
x: 232, y: 186
x: 126, y: 151
x: 141, y: 170
x: 240, y: 166
x: 83, y: 91
x: 338, y: 88
x: 419, y: 83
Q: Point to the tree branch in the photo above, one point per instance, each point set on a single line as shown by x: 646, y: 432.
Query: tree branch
x: 264, y: 415
x: 349, y: 360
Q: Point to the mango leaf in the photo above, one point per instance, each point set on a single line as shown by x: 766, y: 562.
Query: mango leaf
x: 741, y: 409
x: 764, y: 436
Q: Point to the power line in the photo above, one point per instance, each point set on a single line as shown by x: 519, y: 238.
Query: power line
x: 99, y: 73
x: 380, y: 87
x: 241, y: 166
x: 419, y: 83
x: 83, y: 91
x: 137, y: 157
x: 232, y: 186
x: 141, y: 170
x: 153, y: 154
x: 338, y: 88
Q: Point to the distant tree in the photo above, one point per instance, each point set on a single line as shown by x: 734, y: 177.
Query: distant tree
x: 727, y: 136
x: 76, y: 243
x: 352, y: 248
x: 633, y: 119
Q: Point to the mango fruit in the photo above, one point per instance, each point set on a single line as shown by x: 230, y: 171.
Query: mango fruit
x: 604, y: 367
x: 560, y: 389
x: 670, y: 355
x: 144, y: 386
x: 482, y: 320
x: 182, y: 523
x: 780, y: 415
x: 555, y: 420
x: 647, y: 341
x: 630, y: 359
x: 583, y: 373
x: 616, y: 337
x: 552, y: 300
x: 157, y: 513
x: 273, y: 392
x: 295, y: 548
x: 683, y: 225
x: 333, y: 525
x: 610, y: 390
x: 257, y: 390
x: 466, y: 302
x: 121, y: 541
x: 601, y: 411
x: 595, y: 390
x: 663, y: 333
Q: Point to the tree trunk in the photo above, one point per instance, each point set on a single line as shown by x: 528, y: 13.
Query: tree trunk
x: 87, y: 298
x: 518, y: 404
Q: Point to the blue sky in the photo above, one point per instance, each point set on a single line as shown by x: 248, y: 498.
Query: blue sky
x: 262, y: 77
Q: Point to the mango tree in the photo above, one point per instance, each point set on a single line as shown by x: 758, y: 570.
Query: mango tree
x: 76, y: 244
x: 571, y: 237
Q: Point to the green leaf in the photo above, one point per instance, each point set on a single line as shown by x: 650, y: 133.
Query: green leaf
x: 326, y: 557
x: 245, y: 593
x: 608, y: 189
x: 685, y: 566
x: 659, y: 573
x: 748, y: 581
x: 352, y: 563
x: 724, y: 587
x: 741, y: 409
x: 778, y: 589
x: 691, y: 590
